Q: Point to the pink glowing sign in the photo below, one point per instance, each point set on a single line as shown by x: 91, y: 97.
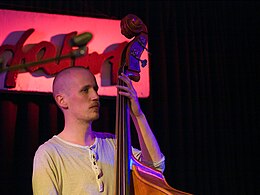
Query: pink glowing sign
x: 28, y: 37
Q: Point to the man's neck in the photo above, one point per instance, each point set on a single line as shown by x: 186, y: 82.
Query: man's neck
x: 78, y: 134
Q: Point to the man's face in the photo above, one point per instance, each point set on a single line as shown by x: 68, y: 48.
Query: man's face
x: 82, y: 97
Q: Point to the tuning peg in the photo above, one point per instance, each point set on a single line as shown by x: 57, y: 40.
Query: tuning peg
x: 143, y: 63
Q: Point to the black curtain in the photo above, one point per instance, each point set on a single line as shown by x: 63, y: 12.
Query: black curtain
x: 203, y: 102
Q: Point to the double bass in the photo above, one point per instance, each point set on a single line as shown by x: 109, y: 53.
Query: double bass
x: 131, y: 176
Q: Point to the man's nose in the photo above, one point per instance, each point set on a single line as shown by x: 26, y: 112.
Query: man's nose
x: 95, y: 95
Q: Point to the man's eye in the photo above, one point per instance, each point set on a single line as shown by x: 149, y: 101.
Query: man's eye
x: 85, y: 90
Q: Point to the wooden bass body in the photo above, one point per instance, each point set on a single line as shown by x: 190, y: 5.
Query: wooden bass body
x: 147, y: 181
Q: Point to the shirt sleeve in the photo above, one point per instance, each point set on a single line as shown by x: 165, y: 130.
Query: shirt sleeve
x: 159, y: 165
x: 44, y: 178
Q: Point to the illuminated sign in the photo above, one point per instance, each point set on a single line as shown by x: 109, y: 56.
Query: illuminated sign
x: 29, y: 37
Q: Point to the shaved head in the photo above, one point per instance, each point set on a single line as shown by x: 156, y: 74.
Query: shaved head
x: 64, y: 79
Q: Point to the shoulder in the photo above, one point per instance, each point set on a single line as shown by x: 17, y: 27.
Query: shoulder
x: 105, y: 139
x: 48, y: 147
x: 104, y: 135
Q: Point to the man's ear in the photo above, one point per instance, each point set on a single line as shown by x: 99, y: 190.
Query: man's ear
x: 60, y: 99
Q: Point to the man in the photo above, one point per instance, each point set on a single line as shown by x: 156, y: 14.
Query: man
x: 80, y: 160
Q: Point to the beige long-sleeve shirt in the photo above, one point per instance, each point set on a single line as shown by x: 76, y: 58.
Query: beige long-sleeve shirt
x: 64, y: 168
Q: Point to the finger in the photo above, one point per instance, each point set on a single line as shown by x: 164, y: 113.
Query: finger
x: 126, y: 94
x: 126, y: 80
x: 126, y: 91
x: 123, y: 88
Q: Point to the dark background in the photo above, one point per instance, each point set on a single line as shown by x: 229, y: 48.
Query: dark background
x: 203, y: 106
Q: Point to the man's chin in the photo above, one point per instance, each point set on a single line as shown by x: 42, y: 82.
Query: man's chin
x: 96, y: 116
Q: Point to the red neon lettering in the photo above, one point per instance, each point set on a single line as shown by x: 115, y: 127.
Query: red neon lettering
x: 46, y: 50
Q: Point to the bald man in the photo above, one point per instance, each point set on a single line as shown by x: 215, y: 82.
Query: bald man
x: 80, y: 160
